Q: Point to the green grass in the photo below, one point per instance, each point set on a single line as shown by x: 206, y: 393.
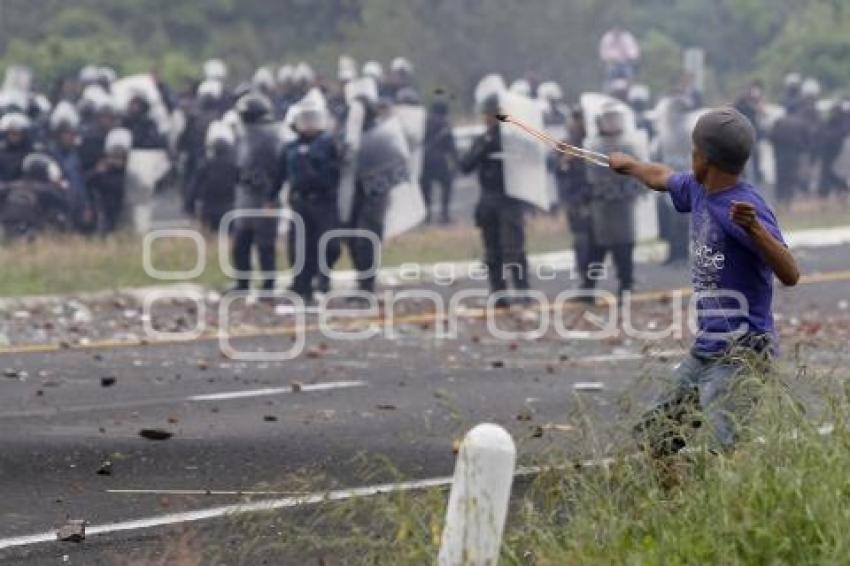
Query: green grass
x: 783, y: 497
x: 69, y: 264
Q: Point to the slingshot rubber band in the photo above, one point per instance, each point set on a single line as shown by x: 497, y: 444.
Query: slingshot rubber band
x: 594, y: 157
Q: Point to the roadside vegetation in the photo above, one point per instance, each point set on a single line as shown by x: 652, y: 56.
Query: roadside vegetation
x: 782, y: 497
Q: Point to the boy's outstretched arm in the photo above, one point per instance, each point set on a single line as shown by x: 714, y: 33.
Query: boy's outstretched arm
x: 653, y: 175
x: 774, y: 252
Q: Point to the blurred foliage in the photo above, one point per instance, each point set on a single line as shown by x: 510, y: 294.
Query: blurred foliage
x: 453, y: 42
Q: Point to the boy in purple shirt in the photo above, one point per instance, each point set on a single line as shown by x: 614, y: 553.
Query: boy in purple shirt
x: 736, y: 249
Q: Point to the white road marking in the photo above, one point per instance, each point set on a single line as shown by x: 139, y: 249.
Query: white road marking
x: 224, y: 510
x: 290, y: 502
x: 276, y: 391
x: 228, y: 395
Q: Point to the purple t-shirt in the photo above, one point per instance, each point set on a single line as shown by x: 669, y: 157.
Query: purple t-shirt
x: 733, y: 283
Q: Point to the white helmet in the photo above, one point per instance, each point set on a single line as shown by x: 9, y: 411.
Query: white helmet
x: 811, y: 88
x: 521, y: 87
x: 65, y: 116
x: 550, y: 91
x: 13, y: 101
x: 263, y: 79
x: 310, y: 116
x: 89, y: 74
x: 219, y: 131
x: 373, y: 69
x: 42, y: 161
x: 93, y: 97
x: 793, y: 80
x: 400, y: 64
x: 639, y: 93
x: 210, y: 89
x: 14, y: 121
x: 304, y: 73
x: 216, y: 70
x: 285, y: 74
x: 118, y: 139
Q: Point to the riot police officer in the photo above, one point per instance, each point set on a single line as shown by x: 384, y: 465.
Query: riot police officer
x: 439, y: 158
x: 33, y: 202
x: 499, y: 216
x: 258, y: 158
x: 613, y: 203
x: 311, y: 165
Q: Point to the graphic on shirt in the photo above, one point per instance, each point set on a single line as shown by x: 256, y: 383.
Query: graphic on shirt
x: 707, y: 251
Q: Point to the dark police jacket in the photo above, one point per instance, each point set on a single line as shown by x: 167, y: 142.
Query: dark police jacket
x: 312, y: 167
x: 485, y: 156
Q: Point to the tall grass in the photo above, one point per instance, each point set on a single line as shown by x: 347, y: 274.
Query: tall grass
x: 782, y: 497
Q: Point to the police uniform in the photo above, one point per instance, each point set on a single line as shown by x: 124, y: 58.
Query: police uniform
x: 438, y: 159
x: 311, y: 165
x: 31, y: 204
x: 259, y: 187
x: 613, y: 213
x: 499, y: 216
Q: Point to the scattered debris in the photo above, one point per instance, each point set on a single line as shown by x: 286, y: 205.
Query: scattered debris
x: 108, y: 381
x: 559, y: 427
x: 105, y: 468
x: 155, y: 434
x: 588, y: 386
x: 73, y: 530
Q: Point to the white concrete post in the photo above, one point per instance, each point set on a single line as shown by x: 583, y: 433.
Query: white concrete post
x: 478, y: 503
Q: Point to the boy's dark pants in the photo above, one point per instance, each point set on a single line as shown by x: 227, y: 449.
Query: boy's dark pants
x: 718, y: 390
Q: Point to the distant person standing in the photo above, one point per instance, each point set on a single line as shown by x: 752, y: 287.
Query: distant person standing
x: 440, y: 159
x: 620, y: 53
x: 790, y: 139
x: 831, y: 138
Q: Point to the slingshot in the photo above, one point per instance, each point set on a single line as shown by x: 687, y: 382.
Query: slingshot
x: 596, y: 158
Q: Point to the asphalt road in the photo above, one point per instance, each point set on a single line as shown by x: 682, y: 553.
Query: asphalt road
x: 345, y: 414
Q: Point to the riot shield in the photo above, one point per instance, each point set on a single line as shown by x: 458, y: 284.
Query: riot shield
x: 646, y: 209
x: 413, y: 119
x: 674, y: 129
x: 364, y: 86
x: 524, y: 158
x: 145, y: 169
x: 351, y: 145
x: 383, y: 166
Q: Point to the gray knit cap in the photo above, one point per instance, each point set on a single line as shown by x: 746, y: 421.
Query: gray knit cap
x: 726, y: 137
